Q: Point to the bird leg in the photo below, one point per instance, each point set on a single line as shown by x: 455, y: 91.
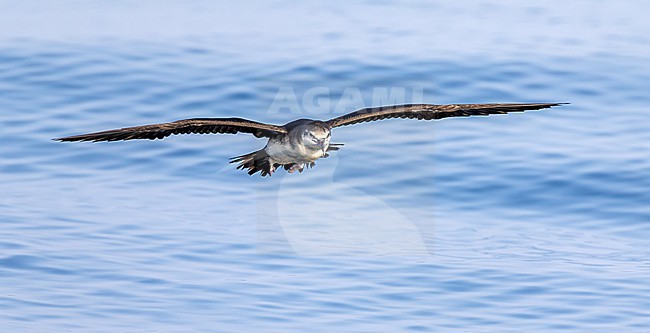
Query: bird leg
x: 272, y: 168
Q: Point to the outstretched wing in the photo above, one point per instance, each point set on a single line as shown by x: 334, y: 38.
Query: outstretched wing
x: 187, y: 126
x: 432, y: 111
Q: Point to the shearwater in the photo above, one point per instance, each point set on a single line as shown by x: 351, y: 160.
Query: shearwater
x: 300, y: 143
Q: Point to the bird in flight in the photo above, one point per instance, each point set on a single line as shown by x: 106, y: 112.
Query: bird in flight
x: 300, y: 143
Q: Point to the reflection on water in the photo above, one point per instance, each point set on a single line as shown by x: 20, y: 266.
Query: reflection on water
x: 537, y: 221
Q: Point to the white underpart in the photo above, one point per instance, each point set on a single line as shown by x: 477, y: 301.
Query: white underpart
x: 282, y: 151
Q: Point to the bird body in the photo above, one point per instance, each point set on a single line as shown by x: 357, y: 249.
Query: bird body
x: 306, y: 141
x: 300, y: 143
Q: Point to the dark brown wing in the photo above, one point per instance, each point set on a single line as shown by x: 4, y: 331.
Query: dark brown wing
x: 432, y: 111
x: 187, y: 126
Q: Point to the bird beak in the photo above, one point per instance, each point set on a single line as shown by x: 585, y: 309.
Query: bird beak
x: 321, y: 144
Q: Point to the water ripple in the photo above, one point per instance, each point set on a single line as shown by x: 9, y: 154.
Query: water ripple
x: 534, y: 221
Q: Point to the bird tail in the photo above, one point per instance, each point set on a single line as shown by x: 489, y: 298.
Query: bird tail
x: 257, y: 161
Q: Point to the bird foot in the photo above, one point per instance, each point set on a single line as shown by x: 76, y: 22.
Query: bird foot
x: 296, y: 167
x: 272, y: 168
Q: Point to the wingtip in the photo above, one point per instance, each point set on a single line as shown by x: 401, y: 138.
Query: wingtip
x: 69, y: 139
x: 549, y: 104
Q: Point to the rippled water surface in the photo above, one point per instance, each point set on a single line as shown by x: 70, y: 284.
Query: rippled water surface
x: 526, y: 222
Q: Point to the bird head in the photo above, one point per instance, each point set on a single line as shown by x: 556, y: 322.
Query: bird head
x: 316, y: 138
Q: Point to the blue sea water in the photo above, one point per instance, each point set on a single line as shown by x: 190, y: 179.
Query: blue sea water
x: 527, y: 222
